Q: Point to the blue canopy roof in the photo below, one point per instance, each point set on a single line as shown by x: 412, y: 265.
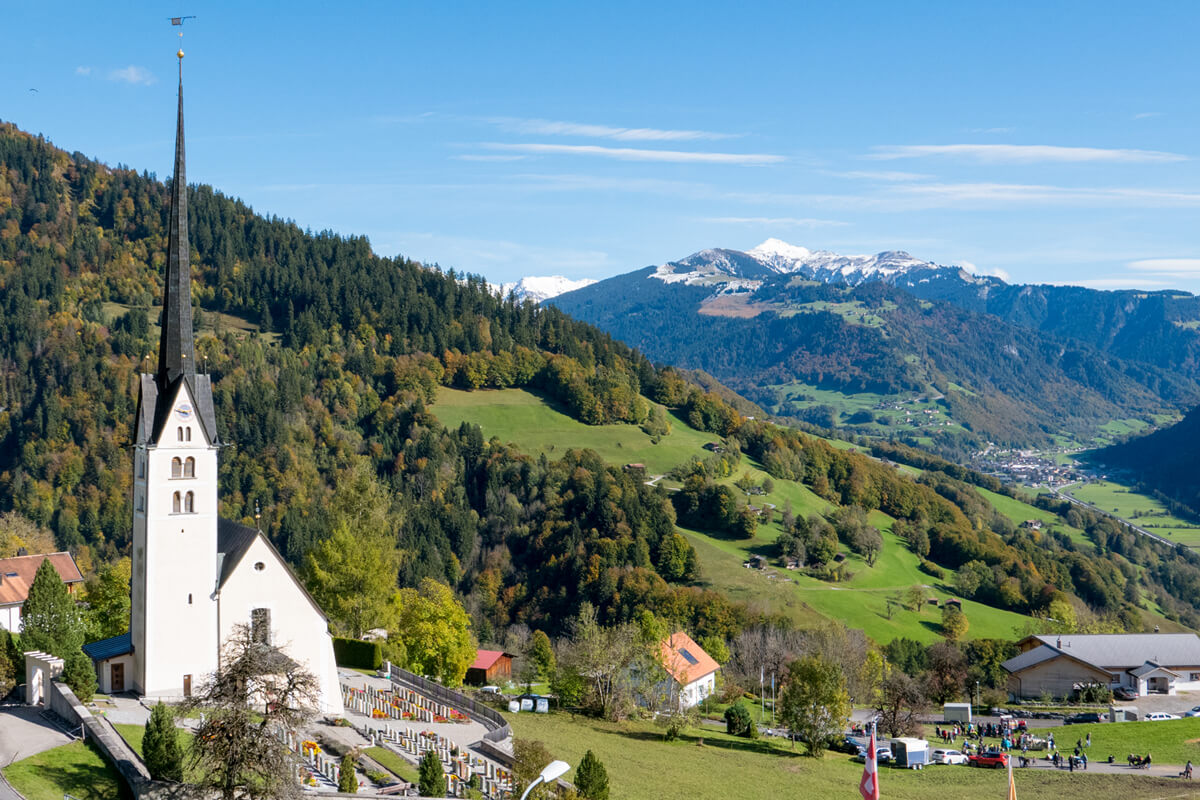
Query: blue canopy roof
x: 108, y: 648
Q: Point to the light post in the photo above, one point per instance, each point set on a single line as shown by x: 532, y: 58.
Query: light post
x: 553, y: 771
x: 977, y: 696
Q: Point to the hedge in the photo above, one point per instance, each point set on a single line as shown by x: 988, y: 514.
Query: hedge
x: 357, y: 653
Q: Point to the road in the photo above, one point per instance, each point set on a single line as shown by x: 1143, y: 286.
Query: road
x: 1062, y: 492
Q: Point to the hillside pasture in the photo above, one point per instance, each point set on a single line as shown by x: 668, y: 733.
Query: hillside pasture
x: 1142, y: 510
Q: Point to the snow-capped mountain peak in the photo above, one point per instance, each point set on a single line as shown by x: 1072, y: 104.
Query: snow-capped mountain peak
x: 539, y: 288
x: 778, y: 247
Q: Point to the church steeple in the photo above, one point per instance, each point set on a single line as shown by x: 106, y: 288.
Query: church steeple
x: 176, y: 349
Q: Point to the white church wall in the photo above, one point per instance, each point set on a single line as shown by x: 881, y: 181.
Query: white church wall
x: 296, y: 625
x: 175, y: 614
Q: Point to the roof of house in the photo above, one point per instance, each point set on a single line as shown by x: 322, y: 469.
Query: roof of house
x: 16, y: 574
x: 1110, y: 651
x: 108, y: 648
x: 486, y: 659
x: 1150, y: 667
x: 685, y: 660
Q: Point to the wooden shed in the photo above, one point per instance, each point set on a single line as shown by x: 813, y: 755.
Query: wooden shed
x: 490, y: 666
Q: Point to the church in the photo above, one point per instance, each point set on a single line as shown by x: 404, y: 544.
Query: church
x: 195, y: 575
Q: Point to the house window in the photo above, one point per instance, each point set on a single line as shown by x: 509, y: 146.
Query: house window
x: 189, y: 467
x: 189, y: 504
x: 260, y: 625
x: 179, y: 434
x: 175, y: 503
x: 176, y: 467
x: 1194, y: 676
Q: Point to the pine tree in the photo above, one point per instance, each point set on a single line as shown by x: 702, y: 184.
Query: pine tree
x: 80, y: 674
x: 51, y: 620
x: 347, y: 781
x: 160, y: 747
x: 432, y: 781
x: 591, y: 778
x: 541, y: 654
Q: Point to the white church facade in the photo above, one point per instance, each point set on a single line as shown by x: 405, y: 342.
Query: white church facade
x: 195, y: 575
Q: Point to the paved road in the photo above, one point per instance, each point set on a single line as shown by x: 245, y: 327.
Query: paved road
x: 23, y: 733
x: 1062, y: 492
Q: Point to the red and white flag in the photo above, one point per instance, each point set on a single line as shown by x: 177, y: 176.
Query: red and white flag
x: 869, y: 785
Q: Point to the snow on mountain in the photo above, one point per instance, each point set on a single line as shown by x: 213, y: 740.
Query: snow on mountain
x: 736, y: 270
x: 539, y: 288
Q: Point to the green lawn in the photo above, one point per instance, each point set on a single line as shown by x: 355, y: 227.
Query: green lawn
x: 1141, y: 510
x: 641, y: 766
x: 393, y: 763
x: 76, y: 769
x: 537, y: 426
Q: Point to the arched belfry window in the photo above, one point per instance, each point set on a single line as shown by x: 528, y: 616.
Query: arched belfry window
x: 187, y: 433
x: 179, y: 433
x: 189, y: 503
x: 189, y: 467
x: 175, y: 503
x: 176, y: 467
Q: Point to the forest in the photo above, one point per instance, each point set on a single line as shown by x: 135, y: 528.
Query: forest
x: 334, y: 391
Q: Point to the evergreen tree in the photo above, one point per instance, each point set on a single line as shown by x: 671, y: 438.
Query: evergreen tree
x: 432, y: 781
x: 591, y: 779
x: 160, y: 746
x: 80, y: 674
x: 347, y: 781
x: 541, y: 655
x: 51, y: 619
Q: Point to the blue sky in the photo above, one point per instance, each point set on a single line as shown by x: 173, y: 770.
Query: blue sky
x: 1047, y: 144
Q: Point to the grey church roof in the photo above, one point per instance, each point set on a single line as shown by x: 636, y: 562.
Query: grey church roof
x: 1110, y: 651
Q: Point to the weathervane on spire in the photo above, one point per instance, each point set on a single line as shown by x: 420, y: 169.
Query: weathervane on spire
x: 179, y: 21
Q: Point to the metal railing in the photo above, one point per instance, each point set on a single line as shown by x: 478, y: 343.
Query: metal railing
x: 498, y: 729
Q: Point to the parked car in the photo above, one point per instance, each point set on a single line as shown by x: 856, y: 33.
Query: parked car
x: 947, y: 757
x: 1157, y: 715
x: 1085, y: 718
x: 1125, y: 693
x: 883, y: 754
x: 1194, y: 712
x: 989, y: 758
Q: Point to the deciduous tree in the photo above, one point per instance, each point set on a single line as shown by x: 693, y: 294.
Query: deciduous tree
x: 436, y: 631
x: 814, y: 704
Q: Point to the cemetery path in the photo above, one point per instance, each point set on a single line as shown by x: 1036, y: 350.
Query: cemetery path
x: 24, y: 732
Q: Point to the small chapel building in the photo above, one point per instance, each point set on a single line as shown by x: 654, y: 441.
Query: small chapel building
x: 195, y: 575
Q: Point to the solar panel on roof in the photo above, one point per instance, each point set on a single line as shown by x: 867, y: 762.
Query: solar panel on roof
x: 688, y: 657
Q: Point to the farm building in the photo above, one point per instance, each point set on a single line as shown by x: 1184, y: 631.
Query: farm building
x: 490, y: 666
x: 1148, y: 663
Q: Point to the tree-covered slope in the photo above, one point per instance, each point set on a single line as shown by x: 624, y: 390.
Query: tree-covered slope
x: 1002, y: 382
x: 1166, y: 461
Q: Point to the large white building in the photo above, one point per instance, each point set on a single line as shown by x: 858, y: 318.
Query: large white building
x: 1146, y: 663
x: 195, y: 575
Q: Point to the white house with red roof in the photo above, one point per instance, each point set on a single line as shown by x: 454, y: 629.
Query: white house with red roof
x: 16, y: 576
x: 693, y: 670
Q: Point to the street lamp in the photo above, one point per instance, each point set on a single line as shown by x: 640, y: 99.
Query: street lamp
x: 553, y: 771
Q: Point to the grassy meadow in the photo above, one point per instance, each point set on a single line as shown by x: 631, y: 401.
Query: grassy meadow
x: 705, y: 762
x: 1141, y: 510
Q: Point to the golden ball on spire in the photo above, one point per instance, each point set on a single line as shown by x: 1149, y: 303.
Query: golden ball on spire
x: 180, y: 54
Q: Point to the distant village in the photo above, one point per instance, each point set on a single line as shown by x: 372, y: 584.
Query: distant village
x: 1034, y: 468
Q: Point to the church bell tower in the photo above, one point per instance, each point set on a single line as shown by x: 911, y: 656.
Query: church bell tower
x: 174, y: 608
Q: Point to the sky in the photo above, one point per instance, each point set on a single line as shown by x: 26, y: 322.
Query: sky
x: 1044, y: 143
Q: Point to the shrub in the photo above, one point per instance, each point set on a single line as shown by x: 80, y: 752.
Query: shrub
x: 347, y: 782
x: 432, y: 781
x: 160, y: 745
x: 80, y: 675
x: 930, y: 568
x: 357, y: 653
x: 591, y: 779
x: 737, y: 720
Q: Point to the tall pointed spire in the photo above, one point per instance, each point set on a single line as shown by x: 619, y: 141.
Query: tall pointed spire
x: 176, y: 351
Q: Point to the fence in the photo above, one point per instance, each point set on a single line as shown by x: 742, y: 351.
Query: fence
x: 498, y: 729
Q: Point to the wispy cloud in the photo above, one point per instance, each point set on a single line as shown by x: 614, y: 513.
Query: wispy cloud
x: 83, y: 70
x: 995, y: 272
x: 882, y: 175
x: 778, y: 222
x: 1043, y: 194
x: 546, y: 127
x: 1023, y: 153
x: 487, y: 157
x: 498, y: 259
x: 1173, y: 267
x: 139, y: 76
x: 634, y: 154
x: 1147, y: 115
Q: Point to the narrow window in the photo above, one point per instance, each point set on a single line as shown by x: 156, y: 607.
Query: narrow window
x: 179, y: 433
x: 189, y: 503
x: 260, y: 625
x: 189, y: 598
x: 176, y: 468
x: 187, y: 433
x: 189, y: 467
x: 140, y: 503
x: 175, y: 503
x: 141, y: 467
